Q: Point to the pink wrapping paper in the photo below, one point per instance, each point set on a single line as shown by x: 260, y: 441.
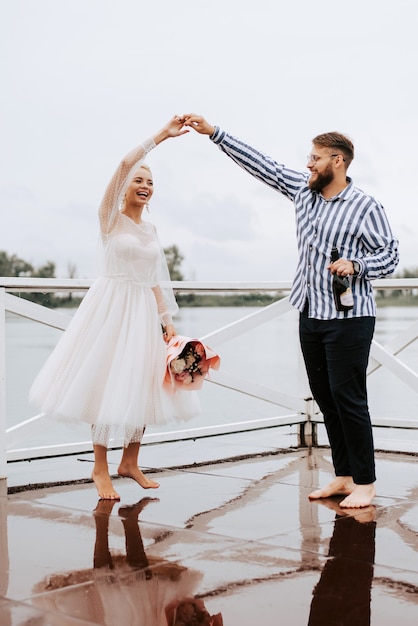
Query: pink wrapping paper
x: 175, y: 378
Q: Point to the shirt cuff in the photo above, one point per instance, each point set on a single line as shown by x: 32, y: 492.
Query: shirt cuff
x: 217, y: 135
x: 363, y: 267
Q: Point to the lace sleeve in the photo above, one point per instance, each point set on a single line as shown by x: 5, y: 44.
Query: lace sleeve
x: 163, y: 312
x: 116, y: 188
x: 163, y: 292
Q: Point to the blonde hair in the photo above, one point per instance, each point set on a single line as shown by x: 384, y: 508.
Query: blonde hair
x: 145, y: 166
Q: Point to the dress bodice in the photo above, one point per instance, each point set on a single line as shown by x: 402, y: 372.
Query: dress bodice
x: 132, y: 251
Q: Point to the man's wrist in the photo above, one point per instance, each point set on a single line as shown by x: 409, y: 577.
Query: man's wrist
x: 217, y: 135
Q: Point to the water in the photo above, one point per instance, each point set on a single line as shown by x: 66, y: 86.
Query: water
x: 268, y: 355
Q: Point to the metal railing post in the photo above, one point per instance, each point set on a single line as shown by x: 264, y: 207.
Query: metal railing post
x: 307, y: 430
x: 307, y: 433
x: 3, y: 462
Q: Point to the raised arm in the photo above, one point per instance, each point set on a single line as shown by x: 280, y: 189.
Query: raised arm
x: 116, y: 187
x: 260, y: 165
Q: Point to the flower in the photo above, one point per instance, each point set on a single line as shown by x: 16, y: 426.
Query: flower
x: 178, y: 365
x: 191, y: 612
x: 189, y: 363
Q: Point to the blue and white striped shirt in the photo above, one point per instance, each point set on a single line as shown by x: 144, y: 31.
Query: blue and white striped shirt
x: 352, y: 221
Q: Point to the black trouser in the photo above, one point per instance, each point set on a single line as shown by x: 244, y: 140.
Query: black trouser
x: 343, y: 593
x: 336, y: 354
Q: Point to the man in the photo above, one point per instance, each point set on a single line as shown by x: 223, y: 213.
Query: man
x: 330, y: 212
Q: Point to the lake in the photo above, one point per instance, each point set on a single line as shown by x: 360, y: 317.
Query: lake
x: 269, y: 356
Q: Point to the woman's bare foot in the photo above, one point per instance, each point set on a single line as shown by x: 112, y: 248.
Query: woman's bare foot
x: 360, y: 497
x: 340, y: 486
x: 134, y: 510
x: 136, y: 474
x: 104, y: 507
x: 104, y: 486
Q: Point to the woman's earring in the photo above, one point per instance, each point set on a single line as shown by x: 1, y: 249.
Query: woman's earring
x: 147, y: 205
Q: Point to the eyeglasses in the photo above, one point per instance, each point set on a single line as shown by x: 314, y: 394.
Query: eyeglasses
x: 315, y: 158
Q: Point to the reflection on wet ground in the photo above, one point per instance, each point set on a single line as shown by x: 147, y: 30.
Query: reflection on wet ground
x: 235, y: 543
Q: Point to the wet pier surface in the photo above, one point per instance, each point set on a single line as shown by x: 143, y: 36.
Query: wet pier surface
x: 235, y: 543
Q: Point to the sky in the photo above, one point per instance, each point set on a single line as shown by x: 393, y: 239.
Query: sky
x: 85, y: 81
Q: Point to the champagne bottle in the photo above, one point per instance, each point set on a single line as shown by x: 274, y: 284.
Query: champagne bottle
x: 343, y: 296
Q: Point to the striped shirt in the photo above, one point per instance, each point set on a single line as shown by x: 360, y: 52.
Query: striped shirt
x: 352, y: 221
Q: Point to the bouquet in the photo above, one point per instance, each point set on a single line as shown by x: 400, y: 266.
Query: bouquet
x: 188, y: 363
x: 190, y: 611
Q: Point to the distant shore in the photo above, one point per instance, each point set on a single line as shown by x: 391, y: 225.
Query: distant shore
x: 252, y: 299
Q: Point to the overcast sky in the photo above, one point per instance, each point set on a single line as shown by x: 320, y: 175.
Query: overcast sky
x: 85, y: 81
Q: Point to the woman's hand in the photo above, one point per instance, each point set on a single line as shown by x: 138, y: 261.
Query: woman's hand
x: 169, y: 332
x: 199, y: 124
x: 173, y: 128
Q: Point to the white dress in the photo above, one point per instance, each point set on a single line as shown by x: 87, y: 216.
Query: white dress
x: 108, y: 367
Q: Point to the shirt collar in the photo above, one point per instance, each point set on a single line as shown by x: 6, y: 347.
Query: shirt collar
x: 344, y: 194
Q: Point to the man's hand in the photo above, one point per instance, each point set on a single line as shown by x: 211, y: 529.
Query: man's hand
x: 199, y: 124
x: 342, y: 267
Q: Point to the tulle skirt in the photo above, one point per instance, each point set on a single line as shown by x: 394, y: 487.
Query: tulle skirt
x: 109, y: 365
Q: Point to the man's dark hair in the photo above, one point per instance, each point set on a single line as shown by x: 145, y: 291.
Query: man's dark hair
x: 336, y: 141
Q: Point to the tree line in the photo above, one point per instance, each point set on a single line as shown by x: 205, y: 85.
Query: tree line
x: 12, y: 265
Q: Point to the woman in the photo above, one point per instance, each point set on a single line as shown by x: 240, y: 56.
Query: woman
x: 136, y: 589
x: 109, y: 365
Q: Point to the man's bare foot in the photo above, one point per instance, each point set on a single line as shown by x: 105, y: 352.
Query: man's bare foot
x: 333, y: 505
x: 367, y: 514
x: 136, y: 474
x: 360, y: 497
x: 340, y: 486
x: 104, y: 486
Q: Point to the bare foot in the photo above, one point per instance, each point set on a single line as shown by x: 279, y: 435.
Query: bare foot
x: 136, y: 474
x: 360, y: 497
x: 333, y: 505
x: 367, y: 514
x: 104, y: 507
x: 104, y: 486
x: 340, y: 486
x: 133, y: 510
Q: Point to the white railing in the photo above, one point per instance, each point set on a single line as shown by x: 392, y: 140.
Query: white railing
x: 302, y: 410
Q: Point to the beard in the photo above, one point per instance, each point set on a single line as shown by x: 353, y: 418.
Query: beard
x: 321, y: 180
